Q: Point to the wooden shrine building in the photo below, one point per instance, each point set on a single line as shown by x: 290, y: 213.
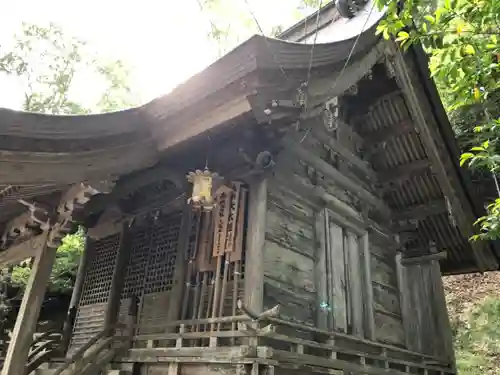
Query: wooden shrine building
x: 288, y: 210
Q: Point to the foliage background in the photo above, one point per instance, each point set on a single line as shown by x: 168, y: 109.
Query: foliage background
x: 48, y: 63
x: 474, y: 309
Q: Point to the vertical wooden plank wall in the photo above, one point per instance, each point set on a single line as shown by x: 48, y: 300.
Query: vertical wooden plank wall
x: 339, y: 292
x: 290, y: 256
x: 427, y: 326
x: 386, y: 294
x: 254, y: 273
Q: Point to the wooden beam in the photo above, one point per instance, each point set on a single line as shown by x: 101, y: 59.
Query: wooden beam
x: 25, y: 327
x: 175, y: 306
x: 424, y: 258
x: 343, y: 152
x: 422, y: 211
x: 256, y: 234
x: 113, y: 303
x: 368, y: 286
x: 22, y: 251
x: 335, y: 175
x: 355, y: 284
x: 395, y: 176
x: 125, y: 187
x: 170, y: 136
x: 404, y: 127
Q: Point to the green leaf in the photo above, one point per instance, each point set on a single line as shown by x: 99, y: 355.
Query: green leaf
x: 429, y: 18
x: 469, y: 49
x: 402, y: 35
x: 386, y: 34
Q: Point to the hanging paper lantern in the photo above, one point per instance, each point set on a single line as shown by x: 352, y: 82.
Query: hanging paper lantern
x: 203, y: 188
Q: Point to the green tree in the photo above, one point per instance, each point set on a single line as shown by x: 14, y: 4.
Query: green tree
x: 64, y: 269
x: 54, y: 67
x: 50, y: 64
x: 231, y: 22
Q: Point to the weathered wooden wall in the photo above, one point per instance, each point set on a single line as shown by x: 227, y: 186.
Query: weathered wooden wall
x: 425, y: 315
x: 289, y: 255
x: 386, y: 296
x: 328, y: 268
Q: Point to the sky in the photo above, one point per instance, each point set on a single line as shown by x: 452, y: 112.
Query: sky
x: 163, y: 41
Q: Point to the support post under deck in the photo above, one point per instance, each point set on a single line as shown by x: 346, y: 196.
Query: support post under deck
x: 22, y: 336
x: 254, y: 267
x: 75, y: 298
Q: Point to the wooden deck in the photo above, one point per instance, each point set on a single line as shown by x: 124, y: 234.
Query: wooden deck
x: 276, y: 343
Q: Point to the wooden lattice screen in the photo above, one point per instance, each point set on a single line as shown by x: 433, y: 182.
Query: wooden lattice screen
x: 96, y: 289
x: 151, y: 268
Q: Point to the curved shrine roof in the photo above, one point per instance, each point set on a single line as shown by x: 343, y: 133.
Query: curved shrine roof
x: 41, y: 155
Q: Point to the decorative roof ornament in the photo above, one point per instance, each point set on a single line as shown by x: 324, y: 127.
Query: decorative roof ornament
x: 389, y: 67
x: 301, y: 97
x: 349, y: 8
x: 202, y: 196
x: 331, y: 114
x: 449, y: 208
x: 352, y: 90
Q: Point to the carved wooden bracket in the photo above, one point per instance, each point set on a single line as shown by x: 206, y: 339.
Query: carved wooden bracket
x: 40, y: 219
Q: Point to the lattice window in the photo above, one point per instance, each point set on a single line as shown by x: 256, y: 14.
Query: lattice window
x: 140, y: 238
x: 100, y: 271
x: 162, y: 258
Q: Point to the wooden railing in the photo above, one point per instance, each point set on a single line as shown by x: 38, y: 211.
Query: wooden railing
x: 276, y: 341
x: 43, y: 347
x: 95, y: 353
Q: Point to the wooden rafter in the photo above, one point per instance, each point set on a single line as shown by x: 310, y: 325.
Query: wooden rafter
x: 396, y: 176
x: 422, y: 211
x: 383, y: 135
x: 446, y: 173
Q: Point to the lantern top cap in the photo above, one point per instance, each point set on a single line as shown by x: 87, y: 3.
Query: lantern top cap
x: 199, y: 173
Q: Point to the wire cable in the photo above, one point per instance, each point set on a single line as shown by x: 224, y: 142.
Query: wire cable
x: 309, y: 69
x: 314, y: 42
x: 352, y: 50
x: 261, y: 30
x: 214, y: 28
x: 349, y: 56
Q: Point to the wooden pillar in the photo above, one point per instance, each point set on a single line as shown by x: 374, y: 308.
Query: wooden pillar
x: 321, y: 272
x: 355, y: 284
x: 75, y: 298
x: 112, y: 310
x: 368, y: 302
x: 25, y: 327
x: 256, y: 233
x: 403, y: 302
x: 176, y: 294
x: 441, y: 311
